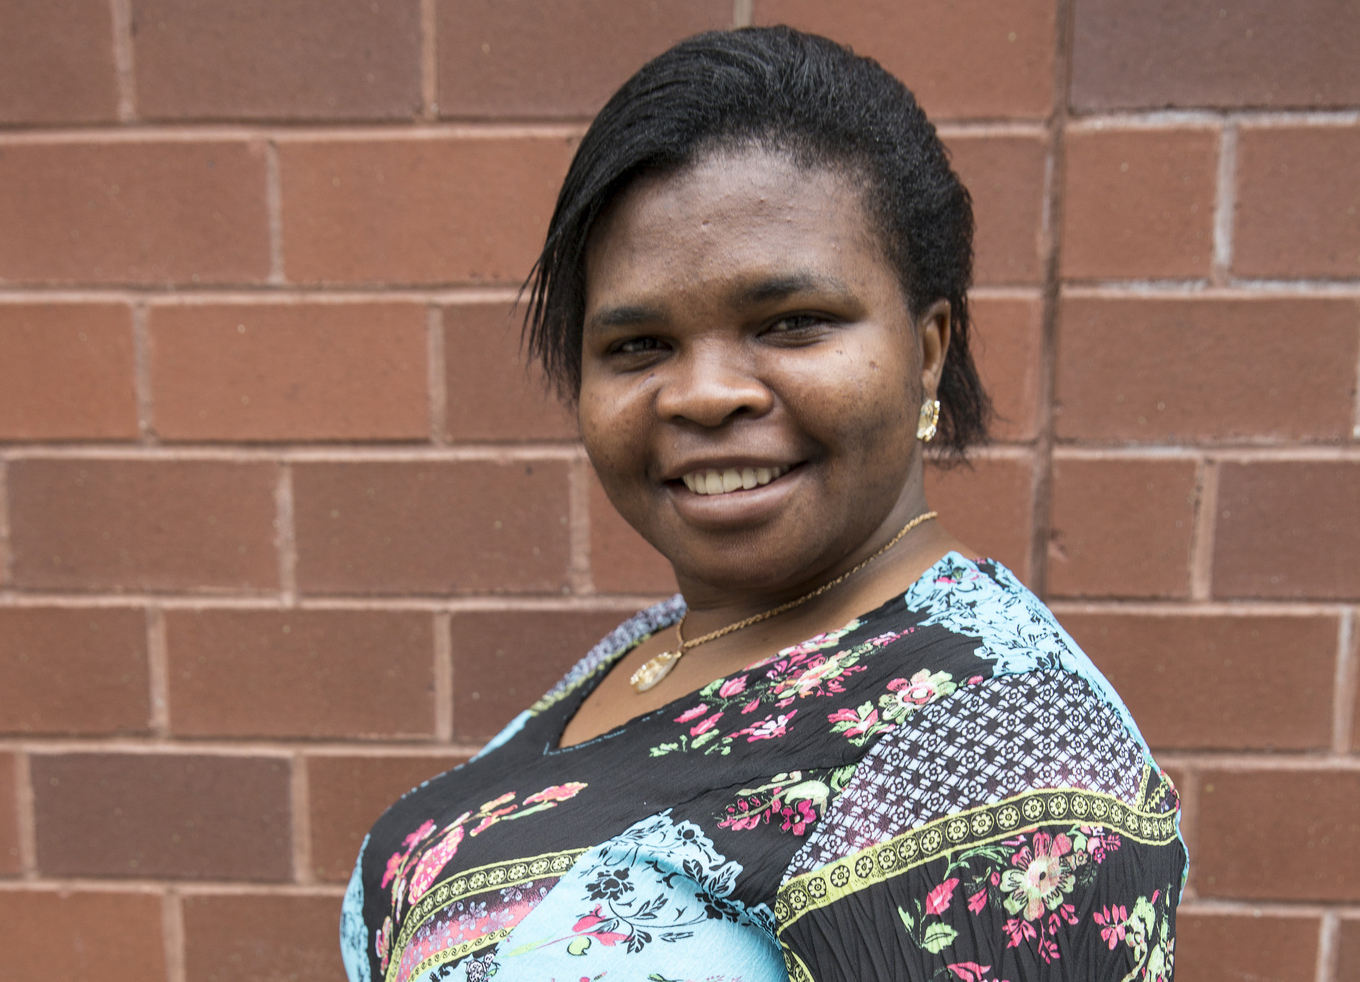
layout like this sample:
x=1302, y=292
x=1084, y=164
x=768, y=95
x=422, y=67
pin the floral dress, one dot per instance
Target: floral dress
x=944, y=789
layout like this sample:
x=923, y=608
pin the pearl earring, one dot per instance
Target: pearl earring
x=930, y=418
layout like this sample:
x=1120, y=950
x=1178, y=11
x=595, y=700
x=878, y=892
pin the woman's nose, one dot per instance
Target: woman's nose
x=710, y=387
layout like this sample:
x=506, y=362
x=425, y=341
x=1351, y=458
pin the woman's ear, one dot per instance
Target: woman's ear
x=932, y=332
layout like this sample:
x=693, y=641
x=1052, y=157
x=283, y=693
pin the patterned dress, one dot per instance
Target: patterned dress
x=944, y=789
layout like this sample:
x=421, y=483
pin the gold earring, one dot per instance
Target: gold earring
x=930, y=418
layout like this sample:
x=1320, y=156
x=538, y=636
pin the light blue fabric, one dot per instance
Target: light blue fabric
x=353, y=934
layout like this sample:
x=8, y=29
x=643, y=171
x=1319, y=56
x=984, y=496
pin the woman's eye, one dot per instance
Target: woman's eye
x=636, y=346
x=798, y=325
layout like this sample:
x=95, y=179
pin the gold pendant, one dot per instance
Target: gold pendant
x=655, y=670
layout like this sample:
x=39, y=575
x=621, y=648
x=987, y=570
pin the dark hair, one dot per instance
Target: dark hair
x=795, y=93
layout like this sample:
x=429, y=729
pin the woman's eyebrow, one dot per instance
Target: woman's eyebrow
x=625, y=315
x=778, y=287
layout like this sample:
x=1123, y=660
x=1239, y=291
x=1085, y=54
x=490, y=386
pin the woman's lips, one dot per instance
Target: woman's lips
x=731, y=479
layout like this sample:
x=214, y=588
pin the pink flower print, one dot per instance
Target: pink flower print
x=558, y=792
x=798, y=817
x=425, y=829
x=750, y=707
x=814, y=678
x=398, y=859
x=733, y=687
x=382, y=944
x=937, y=901
x=975, y=680
x=978, y=900
x=694, y=713
x=770, y=728
x=970, y=971
x=858, y=724
x=586, y=925
x=432, y=862
x=1113, y=921
x=920, y=690
x=741, y=816
x=1018, y=930
x=1041, y=878
x=703, y=726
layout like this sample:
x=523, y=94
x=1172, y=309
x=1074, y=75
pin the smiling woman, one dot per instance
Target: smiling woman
x=844, y=751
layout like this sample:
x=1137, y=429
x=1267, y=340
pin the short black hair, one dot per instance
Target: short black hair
x=795, y=93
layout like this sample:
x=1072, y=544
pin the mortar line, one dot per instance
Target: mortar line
x=1267, y=908
x=141, y=378
x=443, y=676
x=273, y=196
x=579, y=574
x=547, y=128
x=285, y=535
x=1225, y=204
x=300, y=801
x=429, y=60
x=1202, y=534
x=184, y=888
x=280, y=751
x=25, y=817
x=6, y=553
x=1344, y=690
x=1329, y=947
x=158, y=671
x=121, y=13
x=594, y=603
x=188, y=295
x=172, y=926
x=741, y=13
x=1355, y=428
x=438, y=379
x=1189, y=792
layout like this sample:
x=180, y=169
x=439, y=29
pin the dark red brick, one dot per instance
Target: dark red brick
x=504, y=661
x=1007, y=345
x=168, y=816
x=1121, y=528
x=1229, y=947
x=432, y=528
x=1298, y=202
x=81, y=936
x=144, y=212
x=989, y=506
x=621, y=561
x=1279, y=835
x=301, y=673
x=66, y=372
x=72, y=670
x=1162, y=666
x=434, y=210
x=1166, y=370
x=1348, y=957
x=56, y=62
x=262, y=937
x=1005, y=176
x=138, y=524
x=1139, y=203
x=1147, y=54
x=256, y=59
x=491, y=395
x=1288, y=529
x=529, y=58
x=347, y=794
x=11, y=862
x=1007, y=47
x=353, y=371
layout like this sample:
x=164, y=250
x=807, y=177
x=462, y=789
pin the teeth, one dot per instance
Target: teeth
x=732, y=479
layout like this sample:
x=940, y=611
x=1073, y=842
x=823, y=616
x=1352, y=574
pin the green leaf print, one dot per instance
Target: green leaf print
x=938, y=937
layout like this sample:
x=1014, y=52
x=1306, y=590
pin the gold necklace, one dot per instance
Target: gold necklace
x=659, y=667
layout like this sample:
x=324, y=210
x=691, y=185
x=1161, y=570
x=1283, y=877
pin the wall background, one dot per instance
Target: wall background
x=284, y=528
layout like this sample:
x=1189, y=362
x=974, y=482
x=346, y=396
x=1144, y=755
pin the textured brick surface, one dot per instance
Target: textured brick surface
x=1165, y=370
x=531, y=58
x=1139, y=203
x=431, y=527
x=1288, y=529
x=503, y=662
x=1156, y=53
x=261, y=937
x=1121, y=528
x=123, y=524
x=346, y=794
x=56, y=62
x=66, y=372
x=73, y=670
x=438, y=210
x=1348, y=957
x=489, y=393
x=252, y=59
x=301, y=673
x=177, y=816
x=1005, y=176
x=1007, y=347
x=988, y=506
x=1006, y=44
x=1288, y=835
x=621, y=561
x=1162, y=665
x=10, y=860
x=94, y=936
x=1221, y=947
x=290, y=372
x=168, y=212
x=1298, y=202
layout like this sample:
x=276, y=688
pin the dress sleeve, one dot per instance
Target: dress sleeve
x=1015, y=831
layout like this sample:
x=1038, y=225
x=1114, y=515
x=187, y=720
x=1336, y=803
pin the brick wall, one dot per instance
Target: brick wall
x=285, y=527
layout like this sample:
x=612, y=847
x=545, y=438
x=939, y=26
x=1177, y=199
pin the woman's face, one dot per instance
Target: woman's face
x=743, y=327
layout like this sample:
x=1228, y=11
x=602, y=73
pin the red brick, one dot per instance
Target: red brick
x=290, y=372
x=1348, y=960
x=262, y=937
x=1165, y=370
x=1204, y=681
x=168, y=816
x=435, y=210
x=530, y=58
x=1149, y=54
x=301, y=673
x=146, y=212
x=1288, y=529
x=1139, y=203
x=347, y=794
x=1121, y=528
x=491, y=395
x=621, y=561
x=66, y=372
x=257, y=59
x=1280, y=835
x=433, y=528
x=56, y=62
x=140, y=524
x=989, y=506
x=1006, y=345
x=1005, y=176
x=1298, y=202
x=503, y=662
x=1221, y=947
x=10, y=860
x=101, y=936
x=69, y=670
x=1007, y=47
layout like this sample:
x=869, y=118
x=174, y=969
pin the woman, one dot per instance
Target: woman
x=844, y=751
